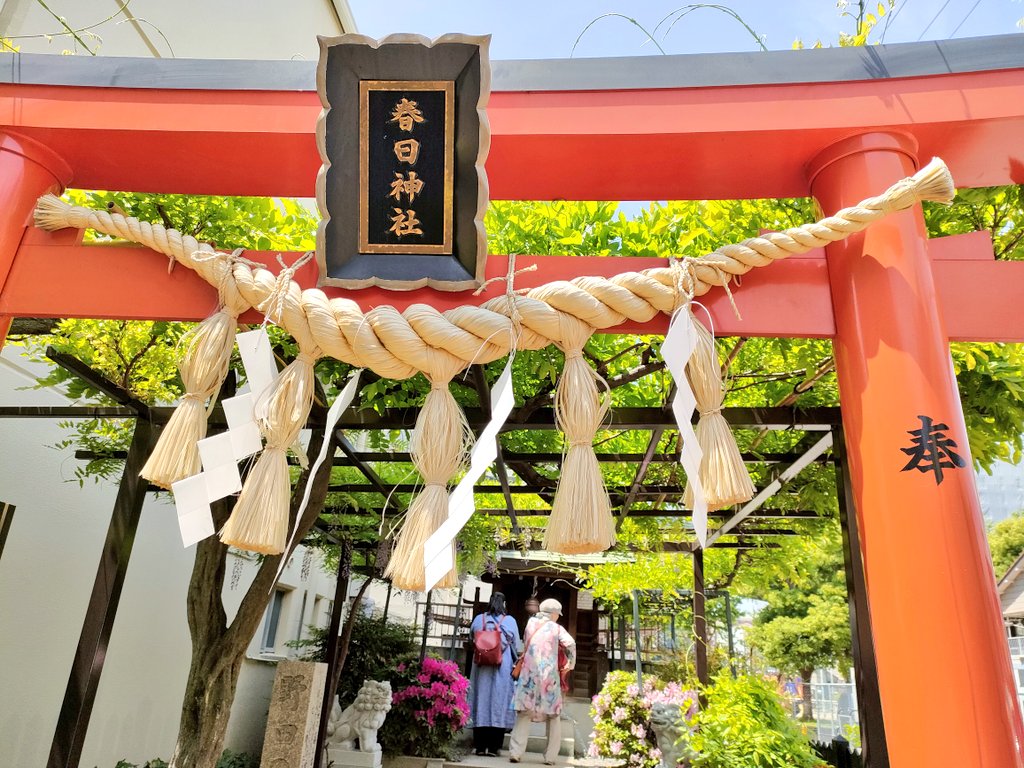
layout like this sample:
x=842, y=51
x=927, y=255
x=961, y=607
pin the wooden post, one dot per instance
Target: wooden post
x=84, y=680
x=728, y=632
x=6, y=518
x=426, y=625
x=333, y=641
x=622, y=641
x=638, y=660
x=611, y=639
x=922, y=539
x=700, y=622
x=869, y=703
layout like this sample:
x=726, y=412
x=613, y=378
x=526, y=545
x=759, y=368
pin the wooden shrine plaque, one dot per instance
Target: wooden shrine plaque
x=403, y=138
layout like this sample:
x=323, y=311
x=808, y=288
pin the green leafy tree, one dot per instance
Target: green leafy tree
x=1006, y=542
x=806, y=625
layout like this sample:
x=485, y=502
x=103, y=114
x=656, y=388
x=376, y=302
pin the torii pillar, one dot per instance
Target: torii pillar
x=28, y=170
x=944, y=675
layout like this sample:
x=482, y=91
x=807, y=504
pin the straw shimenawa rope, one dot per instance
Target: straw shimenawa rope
x=399, y=344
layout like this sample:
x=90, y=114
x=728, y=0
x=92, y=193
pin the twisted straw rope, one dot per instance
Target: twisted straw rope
x=397, y=345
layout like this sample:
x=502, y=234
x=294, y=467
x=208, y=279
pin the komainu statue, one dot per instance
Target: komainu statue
x=361, y=719
x=671, y=731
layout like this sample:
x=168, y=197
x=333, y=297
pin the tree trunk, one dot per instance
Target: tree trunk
x=218, y=648
x=204, y=713
x=808, y=712
x=346, y=635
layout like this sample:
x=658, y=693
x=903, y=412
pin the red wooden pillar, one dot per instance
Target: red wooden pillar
x=947, y=691
x=27, y=170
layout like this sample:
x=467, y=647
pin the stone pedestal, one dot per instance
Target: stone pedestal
x=352, y=758
x=290, y=740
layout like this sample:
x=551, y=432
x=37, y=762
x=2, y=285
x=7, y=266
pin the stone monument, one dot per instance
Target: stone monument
x=359, y=722
x=294, y=718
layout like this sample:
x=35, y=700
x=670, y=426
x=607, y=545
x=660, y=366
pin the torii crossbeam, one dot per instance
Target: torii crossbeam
x=836, y=124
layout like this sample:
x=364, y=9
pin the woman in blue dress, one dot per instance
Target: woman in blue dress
x=491, y=687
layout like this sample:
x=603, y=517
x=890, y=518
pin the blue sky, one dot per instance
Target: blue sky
x=531, y=29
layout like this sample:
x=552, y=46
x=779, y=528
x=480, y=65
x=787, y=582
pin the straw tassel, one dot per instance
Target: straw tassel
x=581, y=516
x=203, y=366
x=723, y=475
x=438, y=447
x=259, y=521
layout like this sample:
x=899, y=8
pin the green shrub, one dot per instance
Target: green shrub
x=377, y=647
x=228, y=759
x=622, y=717
x=745, y=726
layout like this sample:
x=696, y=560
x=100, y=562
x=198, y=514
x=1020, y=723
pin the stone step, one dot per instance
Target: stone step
x=538, y=740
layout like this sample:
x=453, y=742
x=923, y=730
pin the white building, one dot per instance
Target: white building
x=183, y=29
x=47, y=568
x=49, y=559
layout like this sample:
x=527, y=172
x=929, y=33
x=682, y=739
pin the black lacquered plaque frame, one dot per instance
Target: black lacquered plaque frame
x=342, y=192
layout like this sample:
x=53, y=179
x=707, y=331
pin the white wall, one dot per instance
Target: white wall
x=47, y=570
x=200, y=29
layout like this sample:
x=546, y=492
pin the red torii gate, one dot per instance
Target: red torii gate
x=840, y=125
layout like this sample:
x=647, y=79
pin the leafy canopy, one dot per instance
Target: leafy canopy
x=1006, y=542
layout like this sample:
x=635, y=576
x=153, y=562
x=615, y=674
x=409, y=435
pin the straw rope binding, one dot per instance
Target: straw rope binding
x=399, y=344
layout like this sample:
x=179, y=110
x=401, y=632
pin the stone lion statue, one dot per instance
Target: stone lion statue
x=667, y=724
x=361, y=719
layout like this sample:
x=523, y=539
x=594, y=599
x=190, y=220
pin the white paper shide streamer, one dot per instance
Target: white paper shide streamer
x=678, y=347
x=221, y=453
x=439, y=549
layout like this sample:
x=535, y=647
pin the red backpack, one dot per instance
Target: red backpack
x=487, y=651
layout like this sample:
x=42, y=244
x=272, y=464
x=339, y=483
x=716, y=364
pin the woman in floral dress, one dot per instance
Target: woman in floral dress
x=538, y=695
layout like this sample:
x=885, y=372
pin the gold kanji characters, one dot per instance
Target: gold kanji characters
x=402, y=185
x=405, y=223
x=407, y=151
x=406, y=113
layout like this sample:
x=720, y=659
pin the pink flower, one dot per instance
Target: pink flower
x=655, y=754
x=615, y=747
x=635, y=759
x=633, y=690
x=618, y=715
x=638, y=730
x=592, y=750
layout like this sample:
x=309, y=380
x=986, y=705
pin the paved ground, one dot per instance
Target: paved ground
x=531, y=758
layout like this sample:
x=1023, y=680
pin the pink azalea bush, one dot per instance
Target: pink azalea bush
x=622, y=713
x=429, y=708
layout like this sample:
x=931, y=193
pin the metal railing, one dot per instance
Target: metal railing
x=835, y=711
x=447, y=626
x=1016, y=645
